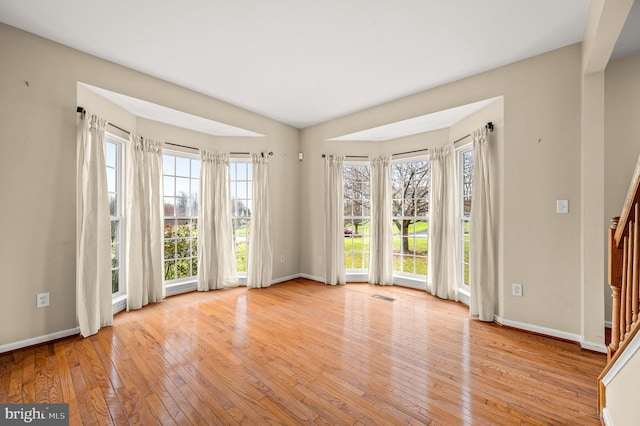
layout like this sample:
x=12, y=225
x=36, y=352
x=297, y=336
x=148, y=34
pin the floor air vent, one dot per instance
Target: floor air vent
x=381, y=297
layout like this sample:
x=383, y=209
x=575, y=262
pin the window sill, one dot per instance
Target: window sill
x=414, y=281
x=463, y=295
x=119, y=303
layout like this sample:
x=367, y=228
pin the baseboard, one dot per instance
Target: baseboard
x=607, y=324
x=39, y=339
x=311, y=277
x=538, y=329
x=606, y=417
x=283, y=279
x=594, y=347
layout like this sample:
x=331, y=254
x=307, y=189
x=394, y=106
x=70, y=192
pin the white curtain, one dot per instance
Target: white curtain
x=334, y=220
x=260, y=259
x=482, y=249
x=381, y=229
x=442, y=281
x=144, y=218
x=93, y=243
x=216, y=260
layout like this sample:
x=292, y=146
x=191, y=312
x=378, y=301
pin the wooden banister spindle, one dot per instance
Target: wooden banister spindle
x=635, y=271
x=627, y=295
x=615, y=282
x=623, y=289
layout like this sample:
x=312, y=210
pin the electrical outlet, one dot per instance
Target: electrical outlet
x=282, y=259
x=319, y=259
x=516, y=289
x=42, y=300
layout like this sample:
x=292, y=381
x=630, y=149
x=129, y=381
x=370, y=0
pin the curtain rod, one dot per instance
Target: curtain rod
x=488, y=126
x=350, y=156
x=83, y=111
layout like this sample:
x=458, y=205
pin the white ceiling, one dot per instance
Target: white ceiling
x=302, y=61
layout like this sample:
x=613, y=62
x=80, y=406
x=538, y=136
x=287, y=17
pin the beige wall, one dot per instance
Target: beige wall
x=539, y=164
x=622, y=137
x=38, y=174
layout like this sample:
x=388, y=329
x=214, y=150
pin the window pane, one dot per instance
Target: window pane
x=168, y=165
x=110, y=154
x=115, y=280
x=195, y=169
x=411, y=181
x=114, y=232
x=183, y=268
x=181, y=177
x=183, y=167
x=183, y=228
x=182, y=187
x=241, y=190
x=465, y=182
x=169, y=270
x=115, y=255
x=183, y=248
x=169, y=188
x=241, y=263
x=113, y=204
x=182, y=203
x=169, y=249
x=194, y=266
x=241, y=171
x=111, y=179
x=195, y=187
x=169, y=206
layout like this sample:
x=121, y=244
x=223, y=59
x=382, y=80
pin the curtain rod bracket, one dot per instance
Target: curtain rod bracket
x=489, y=126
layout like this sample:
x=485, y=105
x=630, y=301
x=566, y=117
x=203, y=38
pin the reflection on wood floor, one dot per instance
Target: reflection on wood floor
x=304, y=353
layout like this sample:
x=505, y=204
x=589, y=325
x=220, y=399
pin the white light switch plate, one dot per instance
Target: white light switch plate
x=562, y=206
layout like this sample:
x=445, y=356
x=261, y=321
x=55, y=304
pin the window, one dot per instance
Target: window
x=465, y=182
x=114, y=169
x=181, y=183
x=240, y=177
x=411, y=182
x=357, y=217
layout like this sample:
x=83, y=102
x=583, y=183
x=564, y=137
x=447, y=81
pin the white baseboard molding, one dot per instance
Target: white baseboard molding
x=283, y=279
x=39, y=339
x=607, y=324
x=606, y=417
x=312, y=277
x=538, y=329
x=595, y=347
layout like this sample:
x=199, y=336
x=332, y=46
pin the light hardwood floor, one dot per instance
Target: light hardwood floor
x=304, y=353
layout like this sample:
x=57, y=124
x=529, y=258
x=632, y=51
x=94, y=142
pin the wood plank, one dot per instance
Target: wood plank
x=305, y=353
